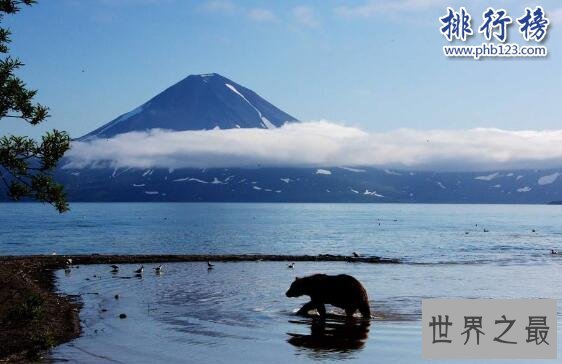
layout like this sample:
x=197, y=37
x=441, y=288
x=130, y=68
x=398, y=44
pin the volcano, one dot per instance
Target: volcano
x=198, y=102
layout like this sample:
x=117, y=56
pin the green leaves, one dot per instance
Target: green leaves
x=26, y=165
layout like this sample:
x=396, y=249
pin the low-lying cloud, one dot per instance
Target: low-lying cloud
x=323, y=143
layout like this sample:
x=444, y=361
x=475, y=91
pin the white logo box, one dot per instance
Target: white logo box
x=534, y=330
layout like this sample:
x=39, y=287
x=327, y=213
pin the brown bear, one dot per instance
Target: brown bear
x=341, y=291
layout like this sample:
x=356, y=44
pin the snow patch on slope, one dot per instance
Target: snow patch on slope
x=388, y=171
x=266, y=123
x=546, y=180
x=323, y=171
x=372, y=193
x=189, y=179
x=356, y=170
x=488, y=177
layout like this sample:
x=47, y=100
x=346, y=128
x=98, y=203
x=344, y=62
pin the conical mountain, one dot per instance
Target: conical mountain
x=198, y=102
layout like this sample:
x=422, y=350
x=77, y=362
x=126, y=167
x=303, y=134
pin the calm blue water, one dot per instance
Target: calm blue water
x=414, y=233
x=237, y=313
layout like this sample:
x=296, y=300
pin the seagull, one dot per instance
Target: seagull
x=355, y=255
x=554, y=251
x=139, y=271
x=158, y=269
x=114, y=268
x=68, y=261
x=210, y=265
x=291, y=266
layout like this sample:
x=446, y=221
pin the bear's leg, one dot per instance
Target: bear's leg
x=365, y=310
x=321, y=308
x=305, y=308
x=349, y=311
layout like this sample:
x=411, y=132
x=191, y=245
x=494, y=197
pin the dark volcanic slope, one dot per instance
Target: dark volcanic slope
x=311, y=185
x=198, y=102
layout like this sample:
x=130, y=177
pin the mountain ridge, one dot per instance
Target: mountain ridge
x=198, y=102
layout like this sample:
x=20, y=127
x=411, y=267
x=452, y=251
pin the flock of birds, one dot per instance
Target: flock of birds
x=160, y=268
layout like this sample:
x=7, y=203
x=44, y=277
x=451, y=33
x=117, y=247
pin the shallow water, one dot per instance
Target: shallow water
x=238, y=312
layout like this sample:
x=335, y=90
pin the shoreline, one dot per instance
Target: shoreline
x=34, y=317
x=58, y=261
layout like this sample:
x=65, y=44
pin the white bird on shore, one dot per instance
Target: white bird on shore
x=291, y=266
x=158, y=269
x=114, y=268
x=68, y=262
x=210, y=266
x=140, y=270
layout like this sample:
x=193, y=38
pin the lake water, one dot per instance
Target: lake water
x=238, y=313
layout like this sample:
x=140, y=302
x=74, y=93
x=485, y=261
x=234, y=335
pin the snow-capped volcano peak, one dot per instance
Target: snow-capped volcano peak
x=198, y=102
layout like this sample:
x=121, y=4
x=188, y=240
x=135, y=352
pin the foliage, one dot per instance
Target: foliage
x=26, y=165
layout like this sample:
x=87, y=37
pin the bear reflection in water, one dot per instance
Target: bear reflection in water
x=331, y=337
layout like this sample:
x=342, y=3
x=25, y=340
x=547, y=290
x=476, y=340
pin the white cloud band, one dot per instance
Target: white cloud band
x=322, y=143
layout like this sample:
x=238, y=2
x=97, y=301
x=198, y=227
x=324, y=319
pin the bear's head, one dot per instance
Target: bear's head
x=297, y=288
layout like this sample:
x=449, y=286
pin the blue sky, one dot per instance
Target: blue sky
x=373, y=64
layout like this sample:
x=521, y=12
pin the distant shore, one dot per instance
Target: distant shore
x=34, y=317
